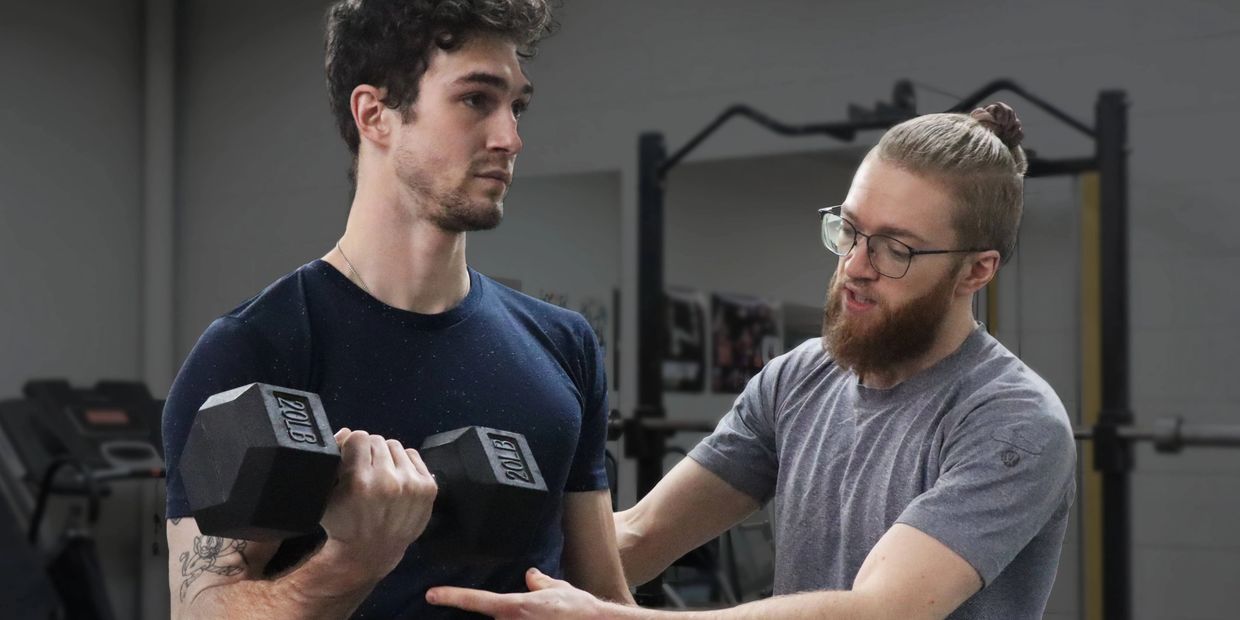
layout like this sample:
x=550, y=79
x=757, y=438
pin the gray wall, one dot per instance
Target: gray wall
x=70, y=190
x=260, y=189
x=260, y=171
x=71, y=179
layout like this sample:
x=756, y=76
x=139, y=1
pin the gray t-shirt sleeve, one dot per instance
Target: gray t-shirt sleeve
x=1009, y=466
x=742, y=450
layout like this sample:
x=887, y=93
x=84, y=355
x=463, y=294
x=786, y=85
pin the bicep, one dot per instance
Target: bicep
x=590, y=559
x=1001, y=486
x=693, y=502
x=916, y=576
x=197, y=561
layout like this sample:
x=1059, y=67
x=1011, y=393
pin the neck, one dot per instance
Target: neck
x=400, y=258
x=957, y=327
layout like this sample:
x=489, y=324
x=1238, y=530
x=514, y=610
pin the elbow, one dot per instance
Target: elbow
x=913, y=606
x=629, y=537
x=185, y=610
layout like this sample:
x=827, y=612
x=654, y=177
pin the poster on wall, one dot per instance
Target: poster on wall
x=746, y=335
x=598, y=314
x=684, y=351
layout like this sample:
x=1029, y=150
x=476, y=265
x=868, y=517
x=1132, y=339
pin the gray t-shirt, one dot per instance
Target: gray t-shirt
x=976, y=451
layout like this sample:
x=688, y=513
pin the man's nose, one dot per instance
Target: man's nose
x=857, y=264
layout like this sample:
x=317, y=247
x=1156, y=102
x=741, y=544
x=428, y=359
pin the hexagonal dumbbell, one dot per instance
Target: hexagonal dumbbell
x=261, y=461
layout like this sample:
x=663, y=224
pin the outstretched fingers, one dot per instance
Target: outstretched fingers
x=478, y=601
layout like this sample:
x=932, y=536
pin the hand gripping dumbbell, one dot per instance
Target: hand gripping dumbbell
x=261, y=461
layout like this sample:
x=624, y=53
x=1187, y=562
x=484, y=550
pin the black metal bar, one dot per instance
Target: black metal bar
x=1210, y=435
x=651, y=327
x=843, y=131
x=846, y=131
x=652, y=153
x=1114, y=456
x=1173, y=433
x=971, y=101
x=1058, y=167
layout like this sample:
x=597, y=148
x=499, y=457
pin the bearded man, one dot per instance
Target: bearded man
x=916, y=467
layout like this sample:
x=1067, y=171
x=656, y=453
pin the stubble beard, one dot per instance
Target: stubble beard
x=869, y=344
x=454, y=212
x=451, y=210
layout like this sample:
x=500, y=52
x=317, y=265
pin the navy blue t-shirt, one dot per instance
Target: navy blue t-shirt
x=499, y=359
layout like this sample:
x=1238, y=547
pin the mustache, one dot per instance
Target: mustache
x=484, y=165
x=838, y=286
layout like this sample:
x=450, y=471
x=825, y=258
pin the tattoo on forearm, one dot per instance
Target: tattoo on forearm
x=212, y=554
x=175, y=520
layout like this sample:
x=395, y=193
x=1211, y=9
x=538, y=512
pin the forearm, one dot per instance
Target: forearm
x=604, y=578
x=321, y=587
x=603, y=587
x=589, y=559
x=807, y=605
x=688, y=508
x=641, y=561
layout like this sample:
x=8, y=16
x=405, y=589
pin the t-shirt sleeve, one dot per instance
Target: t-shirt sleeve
x=588, y=471
x=1008, y=468
x=225, y=357
x=742, y=449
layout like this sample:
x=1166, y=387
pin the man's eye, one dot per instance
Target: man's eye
x=519, y=108
x=896, y=250
x=477, y=101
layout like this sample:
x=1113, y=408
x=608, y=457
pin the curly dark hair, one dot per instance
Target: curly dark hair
x=387, y=44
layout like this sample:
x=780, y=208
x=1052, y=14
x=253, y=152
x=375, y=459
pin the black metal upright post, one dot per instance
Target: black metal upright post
x=1113, y=455
x=646, y=446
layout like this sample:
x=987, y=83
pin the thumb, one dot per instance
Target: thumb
x=536, y=580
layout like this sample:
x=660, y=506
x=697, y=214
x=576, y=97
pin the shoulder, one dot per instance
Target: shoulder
x=272, y=324
x=550, y=319
x=807, y=371
x=809, y=354
x=805, y=361
x=1009, y=400
x=279, y=300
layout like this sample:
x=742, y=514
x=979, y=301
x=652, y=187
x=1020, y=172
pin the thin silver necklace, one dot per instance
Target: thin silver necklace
x=353, y=270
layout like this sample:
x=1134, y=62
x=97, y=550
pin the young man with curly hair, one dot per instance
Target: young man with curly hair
x=402, y=340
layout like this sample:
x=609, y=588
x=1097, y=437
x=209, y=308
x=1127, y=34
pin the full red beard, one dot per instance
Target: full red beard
x=868, y=344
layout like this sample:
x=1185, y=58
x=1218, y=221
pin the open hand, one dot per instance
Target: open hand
x=547, y=598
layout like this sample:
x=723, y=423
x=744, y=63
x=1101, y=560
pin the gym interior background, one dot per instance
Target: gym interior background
x=162, y=160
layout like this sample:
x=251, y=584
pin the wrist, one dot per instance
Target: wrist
x=335, y=570
x=618, y=611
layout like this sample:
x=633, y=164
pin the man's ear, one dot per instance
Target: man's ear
x=978, y=270
x=368, y=109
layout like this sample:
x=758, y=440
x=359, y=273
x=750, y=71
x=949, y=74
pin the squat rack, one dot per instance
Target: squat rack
x=1113, y=432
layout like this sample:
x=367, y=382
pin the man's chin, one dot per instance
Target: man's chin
x=472, y=219
x=487, y=221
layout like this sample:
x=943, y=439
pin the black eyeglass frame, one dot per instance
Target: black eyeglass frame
x=837, y=211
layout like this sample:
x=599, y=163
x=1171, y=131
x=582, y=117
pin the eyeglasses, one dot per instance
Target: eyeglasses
x=889, y=256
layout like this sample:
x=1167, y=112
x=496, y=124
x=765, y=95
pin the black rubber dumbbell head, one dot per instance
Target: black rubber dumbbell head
x=491, y=494
x=260, y=463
